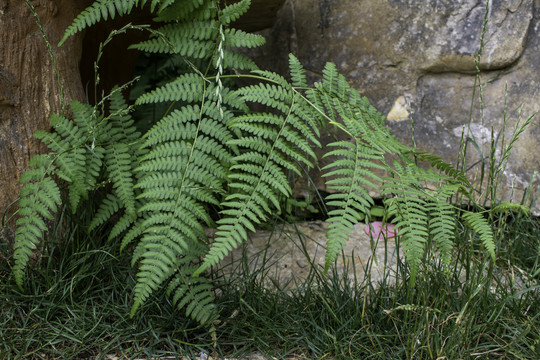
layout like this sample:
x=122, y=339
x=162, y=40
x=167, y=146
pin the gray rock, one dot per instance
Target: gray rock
x=415, y=59
x=288, y=252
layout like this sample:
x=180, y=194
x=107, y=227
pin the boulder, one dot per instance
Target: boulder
x=415, y=61
x=286, y=254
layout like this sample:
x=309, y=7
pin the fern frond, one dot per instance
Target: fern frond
x=188, y=10
x=270, y=144
x=108, y=206
x=411, y=219
x=235, y=60
x=181, y=45
x=103, y=9
x=447, y=169
x=510, y=207
x=39, y=199
x=356, y=163
x=480, y=225
x=442, y=222
x=118, y=160
x=351, y=176
x=183, y=170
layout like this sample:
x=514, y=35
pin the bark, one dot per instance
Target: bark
x=29, y=90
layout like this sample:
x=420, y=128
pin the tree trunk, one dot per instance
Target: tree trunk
x=29, y=87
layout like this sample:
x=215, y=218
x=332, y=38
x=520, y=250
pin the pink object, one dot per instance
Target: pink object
x=376, y=228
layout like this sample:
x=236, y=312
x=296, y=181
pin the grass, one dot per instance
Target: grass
x=77, y=302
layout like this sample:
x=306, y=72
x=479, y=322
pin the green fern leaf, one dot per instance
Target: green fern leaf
x=298, y=74
x=233, y=12
x=100, y=9
x=350, y=176
x=480, y=225
x=193, y=293
x=234, y=60
x=183, y=170
x=118, y=160
x=38, y=200
x=109, y=206
x=442, y=222
x=188, y=10
x=508, y=206
x=239, y=38
x=412, y=221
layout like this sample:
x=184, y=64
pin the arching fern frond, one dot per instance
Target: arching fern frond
x=193, y=293
x=77, y=162
x=351, y=175
x=271, y=144
x=121, y=152
x=103, y=9
x=184, y=169
x=412, y=221
x=39, y=199
x=356, y=163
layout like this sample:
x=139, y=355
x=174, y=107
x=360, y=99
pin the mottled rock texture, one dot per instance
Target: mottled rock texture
x=415, y=60
x=287, y=253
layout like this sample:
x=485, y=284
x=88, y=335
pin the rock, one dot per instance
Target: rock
x=416, y=60
x=288, y=251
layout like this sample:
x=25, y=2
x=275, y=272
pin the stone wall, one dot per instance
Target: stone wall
x=415, y=60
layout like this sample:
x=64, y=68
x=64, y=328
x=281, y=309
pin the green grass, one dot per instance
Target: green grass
x=76, y=305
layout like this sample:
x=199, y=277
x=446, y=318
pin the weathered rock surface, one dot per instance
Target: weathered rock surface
x=415, y=59
x=288, y=252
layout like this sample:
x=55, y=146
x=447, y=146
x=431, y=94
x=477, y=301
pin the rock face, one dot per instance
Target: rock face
x=416, y=60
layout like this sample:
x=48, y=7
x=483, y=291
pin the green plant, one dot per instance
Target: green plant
x=210, y=150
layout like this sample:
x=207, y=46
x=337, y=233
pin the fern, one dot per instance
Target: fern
x=103, y=9
x=120, y=158
x=408, y=208
x=480, y=225
x=186, y=167
x=39, y=199
x=442, y=221
x=81, y=150
x=353, y=171
x=209, y=150
x=194, y=293
x=270, y=144
x=73, y=159
x=234, y=11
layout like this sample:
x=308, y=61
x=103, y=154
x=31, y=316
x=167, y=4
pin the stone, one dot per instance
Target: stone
x=415, y=60
x=288, y=251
